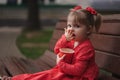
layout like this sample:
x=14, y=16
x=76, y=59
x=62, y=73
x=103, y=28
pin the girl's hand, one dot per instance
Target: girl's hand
x=59, y=58
x=68, y=34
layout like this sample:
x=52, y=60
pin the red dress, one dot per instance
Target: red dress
x=78, y=66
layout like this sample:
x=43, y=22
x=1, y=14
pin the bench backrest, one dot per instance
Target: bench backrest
x=106, y=43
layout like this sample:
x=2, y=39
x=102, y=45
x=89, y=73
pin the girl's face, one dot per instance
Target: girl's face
x=79, y=30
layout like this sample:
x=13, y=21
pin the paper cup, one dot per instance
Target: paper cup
x=65, y=51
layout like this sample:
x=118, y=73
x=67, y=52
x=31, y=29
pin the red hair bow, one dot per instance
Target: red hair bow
x=76, y=8
x=91, y=10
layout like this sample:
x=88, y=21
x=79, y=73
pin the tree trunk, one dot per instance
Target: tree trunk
x=33, y=22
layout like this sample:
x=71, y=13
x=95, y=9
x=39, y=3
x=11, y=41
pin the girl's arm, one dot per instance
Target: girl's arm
x=80, y=65
x=61, y=43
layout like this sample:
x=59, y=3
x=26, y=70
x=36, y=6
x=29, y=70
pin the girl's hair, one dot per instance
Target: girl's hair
x=85, y=17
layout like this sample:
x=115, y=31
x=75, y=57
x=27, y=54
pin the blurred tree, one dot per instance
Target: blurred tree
x=11, y=2
x=52, y=1
x=24, y=1
x=33, y=22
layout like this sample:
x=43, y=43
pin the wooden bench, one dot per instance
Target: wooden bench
x=106, y=44
x=11, y=66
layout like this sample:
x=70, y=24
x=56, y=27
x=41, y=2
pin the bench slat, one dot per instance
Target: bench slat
x=3, y=70
x=11, y=67
x=105, y=77
x=57, y=34
x=52, y=44
x=106, y=27
x=48, y=58
x=43, y=66
x=50, y=54
x=108, y=62
x=61, y=25
x=25, y=64
x=110, y=28
x=50, y=62
x=106, y=43
x=15, y=65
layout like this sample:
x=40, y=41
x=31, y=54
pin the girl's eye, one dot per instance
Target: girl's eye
x=68, y=26
x=77, y=26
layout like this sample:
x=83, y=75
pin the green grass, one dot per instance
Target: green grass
x=33, y=44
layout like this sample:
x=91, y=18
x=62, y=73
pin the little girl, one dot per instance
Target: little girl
x=81, y=64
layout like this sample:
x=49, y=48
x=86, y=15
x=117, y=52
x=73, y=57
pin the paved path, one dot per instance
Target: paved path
x=8, y=42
